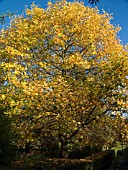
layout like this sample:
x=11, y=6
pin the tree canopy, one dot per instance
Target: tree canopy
x=63, y=73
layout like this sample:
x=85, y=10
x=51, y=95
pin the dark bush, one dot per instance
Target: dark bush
x=78, y=153
x=6, y=139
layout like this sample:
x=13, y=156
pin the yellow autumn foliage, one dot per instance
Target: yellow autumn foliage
x=64, y=68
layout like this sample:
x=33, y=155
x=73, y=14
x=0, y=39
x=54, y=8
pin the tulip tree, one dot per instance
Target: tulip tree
x=64, y=70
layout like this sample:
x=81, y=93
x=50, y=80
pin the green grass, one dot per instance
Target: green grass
x=118, y=147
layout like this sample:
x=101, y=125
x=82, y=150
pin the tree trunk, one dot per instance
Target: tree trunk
x=63, y=151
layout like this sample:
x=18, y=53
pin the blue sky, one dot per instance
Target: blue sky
x=119, y=8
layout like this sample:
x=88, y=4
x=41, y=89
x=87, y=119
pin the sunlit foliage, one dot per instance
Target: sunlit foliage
x=63, y=73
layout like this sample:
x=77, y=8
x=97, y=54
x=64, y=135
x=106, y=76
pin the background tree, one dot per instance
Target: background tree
x=93, y=1
x=4, y=16
x=64, y=70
